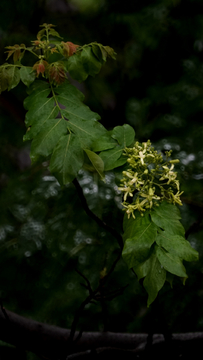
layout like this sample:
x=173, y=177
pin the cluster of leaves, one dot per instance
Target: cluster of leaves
x=57, y=120
x=155, y=247
x=87, y=60
x=62, y=128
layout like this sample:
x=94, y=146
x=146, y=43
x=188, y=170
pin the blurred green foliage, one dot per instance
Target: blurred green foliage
x=156, y=85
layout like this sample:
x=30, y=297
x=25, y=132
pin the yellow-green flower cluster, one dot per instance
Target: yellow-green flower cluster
x=149, y=179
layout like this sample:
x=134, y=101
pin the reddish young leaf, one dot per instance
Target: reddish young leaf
x=57, y=73
x=40, y=67
x=15, y=50
x=68, y=48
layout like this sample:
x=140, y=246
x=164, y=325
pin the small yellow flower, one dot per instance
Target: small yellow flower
x=145, y=176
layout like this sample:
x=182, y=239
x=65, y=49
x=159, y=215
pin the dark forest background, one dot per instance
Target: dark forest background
x=156, y=86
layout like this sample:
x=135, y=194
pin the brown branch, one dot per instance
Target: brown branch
x=51, y=341
x=100, y=222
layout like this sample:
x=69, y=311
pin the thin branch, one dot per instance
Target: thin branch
x=4, y=310
x=77, y=317
x=100, y=222
x=91, y=297
x=88, y=286
x=115, y=293
x=105, y=278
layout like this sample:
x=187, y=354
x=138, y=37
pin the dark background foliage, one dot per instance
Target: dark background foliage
x=156, y=85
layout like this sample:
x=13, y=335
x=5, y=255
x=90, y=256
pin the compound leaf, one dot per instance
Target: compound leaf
x=51, y=113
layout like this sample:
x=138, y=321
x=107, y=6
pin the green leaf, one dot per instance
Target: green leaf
x=142, y=269
x=40, y=109
x=110, y=157
x=4, y=78
x=71, y=92
x=177, y=245
x=27, y=75
x=99, y=52
x=47, y=138
x=76, y=68
x=102, y=52
x=104, y=142
x=38, y=93
x=51, y=113
x=14, y=77
x=86, y=130
x=171, y=262
x=96, y=162
x=125, y=135
x=121, y=161
x=90, y=62
x=36, y=85
x=143, y=234
x=111, y=53
x=41, y=33
x=155, y=278
x=67, y=159
x=130, y=225
x=167, y=216
x=75, y=109
x=53, y=32
x=45, y=112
